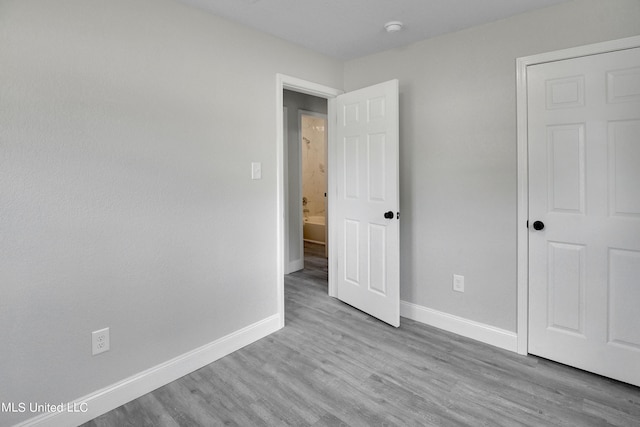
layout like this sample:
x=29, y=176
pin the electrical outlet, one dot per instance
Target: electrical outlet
x=100, y=341
x=458, y=283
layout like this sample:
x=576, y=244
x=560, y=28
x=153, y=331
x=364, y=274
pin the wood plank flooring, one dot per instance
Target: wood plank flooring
x=333, y=365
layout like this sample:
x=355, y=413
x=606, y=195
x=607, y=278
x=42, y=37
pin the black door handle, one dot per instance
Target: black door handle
x=388, y=215
x=538, y=225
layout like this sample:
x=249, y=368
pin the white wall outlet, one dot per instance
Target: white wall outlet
x=256, y=170
x=458, y=283
x=100, y=341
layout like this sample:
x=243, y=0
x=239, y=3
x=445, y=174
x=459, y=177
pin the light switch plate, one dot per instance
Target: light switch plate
x=256, y=170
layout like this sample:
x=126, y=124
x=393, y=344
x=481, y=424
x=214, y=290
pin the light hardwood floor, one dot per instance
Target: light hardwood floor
x=333, y=365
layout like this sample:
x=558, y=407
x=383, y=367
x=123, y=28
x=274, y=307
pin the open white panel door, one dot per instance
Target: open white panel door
x=367, y=201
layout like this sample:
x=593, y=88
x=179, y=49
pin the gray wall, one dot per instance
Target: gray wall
x=128, y=130
x=458, y=149
x=295, y=101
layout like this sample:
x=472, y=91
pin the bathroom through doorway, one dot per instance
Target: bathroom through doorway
x=313, y=150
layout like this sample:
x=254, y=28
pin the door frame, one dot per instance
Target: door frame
x=303, y=86
x=523, y=166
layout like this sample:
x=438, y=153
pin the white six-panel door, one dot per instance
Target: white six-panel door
x=367, y=188
x=584, y=186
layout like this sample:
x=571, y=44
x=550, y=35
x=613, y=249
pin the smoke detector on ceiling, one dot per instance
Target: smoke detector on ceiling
x=393, y=26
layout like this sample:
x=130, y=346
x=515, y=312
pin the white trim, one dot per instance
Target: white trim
x=118, y=394
x=487, y=334
x=331, y=248
x=304, y=86
x=298, y=85
x=522, y=215
x=285, y=194
x=523, y=161
x=296, y=265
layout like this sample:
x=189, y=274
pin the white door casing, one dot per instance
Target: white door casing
x=584, y=185
x=310, y=88
x=367, y=243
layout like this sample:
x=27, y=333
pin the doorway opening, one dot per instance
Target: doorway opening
x=362, y=196
x=307, y=97
x=305, y=175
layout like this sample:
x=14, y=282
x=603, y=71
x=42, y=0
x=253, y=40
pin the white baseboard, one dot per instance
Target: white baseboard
x=295, y=266
x=458, y=325
x=118, y=394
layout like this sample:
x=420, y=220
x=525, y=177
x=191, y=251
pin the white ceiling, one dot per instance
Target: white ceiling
x=347, y=29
